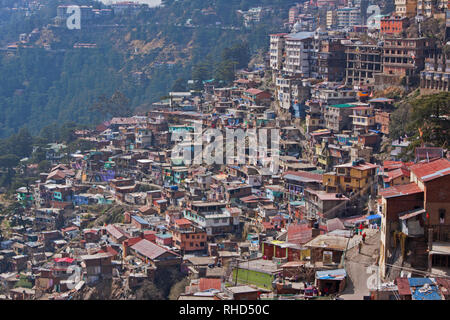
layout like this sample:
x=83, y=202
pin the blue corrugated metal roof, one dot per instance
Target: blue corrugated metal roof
x=337, y=274
x=414, y=282
x=140, y=220
x=424, y=289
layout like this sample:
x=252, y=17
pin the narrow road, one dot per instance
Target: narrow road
x=356, y=265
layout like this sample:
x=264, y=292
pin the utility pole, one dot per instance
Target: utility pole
x=237, y=270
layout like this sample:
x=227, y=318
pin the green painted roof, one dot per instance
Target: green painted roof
x=346, y=105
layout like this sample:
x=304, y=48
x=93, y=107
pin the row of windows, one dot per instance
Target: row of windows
x=195, y=236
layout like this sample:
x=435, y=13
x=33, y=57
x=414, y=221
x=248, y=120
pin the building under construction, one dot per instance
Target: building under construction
x=363, y=62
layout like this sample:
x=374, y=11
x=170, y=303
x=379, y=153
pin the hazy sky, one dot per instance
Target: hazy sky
x=151, y=3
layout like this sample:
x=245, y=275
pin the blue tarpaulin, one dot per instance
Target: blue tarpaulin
x=424, y=289
x=337, y=274
x=373, y=216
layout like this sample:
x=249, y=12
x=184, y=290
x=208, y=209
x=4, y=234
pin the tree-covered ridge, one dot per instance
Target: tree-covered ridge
x=39, y=87
x=424, y=120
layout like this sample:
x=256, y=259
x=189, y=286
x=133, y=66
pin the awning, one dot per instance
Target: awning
x=373, y=216
x=411, y=214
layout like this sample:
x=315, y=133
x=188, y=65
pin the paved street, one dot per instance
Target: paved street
x=356, y=265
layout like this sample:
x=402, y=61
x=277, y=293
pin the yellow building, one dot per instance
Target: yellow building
x=323, y=155
x=350, y=177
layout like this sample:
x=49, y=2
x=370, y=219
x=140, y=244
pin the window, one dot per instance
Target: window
x=441, y=216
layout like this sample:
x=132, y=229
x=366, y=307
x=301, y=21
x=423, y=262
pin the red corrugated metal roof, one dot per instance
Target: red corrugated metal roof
x=254, y=91
x=57, y=174
x=396, y=173
x=401, y=190
x=110, y=250
x=299, y=233
x=68, y=260
x=389, y=165
x=207, y=283
x=150, y=249
x=69, y=229
x=182, y=222
x=403, y=286
x=431, y=170
x=114, y=231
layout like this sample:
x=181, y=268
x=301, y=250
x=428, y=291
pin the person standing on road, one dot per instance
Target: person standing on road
x=359, y=246
x=364, y=237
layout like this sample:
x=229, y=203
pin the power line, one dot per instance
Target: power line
x=404, y=268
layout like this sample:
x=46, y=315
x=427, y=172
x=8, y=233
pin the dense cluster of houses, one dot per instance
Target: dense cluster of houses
x=236, y=230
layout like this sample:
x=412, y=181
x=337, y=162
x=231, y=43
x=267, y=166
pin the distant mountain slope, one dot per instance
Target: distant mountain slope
x=141, y=56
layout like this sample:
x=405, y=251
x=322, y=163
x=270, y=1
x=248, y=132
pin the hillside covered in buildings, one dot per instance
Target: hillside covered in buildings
x=335, y=184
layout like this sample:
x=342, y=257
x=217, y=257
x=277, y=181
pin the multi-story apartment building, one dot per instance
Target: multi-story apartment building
x=187, y=238
x=363, y=62
x=324, y=205
x=415, y=218
x=425, y=8
x=332, y=94
x=213, y=217
x=429, y=8
x=298, y=48
x=436, y=76
x=297, y=54
x=337, y=117
x=314, y=116
x=391, y=25
x=353, y=177
x=277, y=51
x=331, y=60
x=293, y=15
x=253, y=16
x=406, y=8
x=332, y=20
x=348, y=17
x=291, y=90
x=382, y=120
x=363, y=118
x=405, y=56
